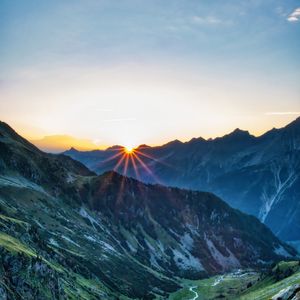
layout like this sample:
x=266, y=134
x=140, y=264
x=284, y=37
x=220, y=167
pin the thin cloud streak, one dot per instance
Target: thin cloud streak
x=209, y=20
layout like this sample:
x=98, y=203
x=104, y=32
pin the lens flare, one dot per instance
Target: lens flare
x=128, y=149
x=132, y=161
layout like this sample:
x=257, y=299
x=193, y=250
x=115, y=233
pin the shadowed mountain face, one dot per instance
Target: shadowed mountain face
x=66, y=232
x=258, y=175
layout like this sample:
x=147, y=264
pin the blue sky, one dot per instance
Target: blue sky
x=191, y=67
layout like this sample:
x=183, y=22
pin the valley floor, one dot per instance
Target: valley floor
x=242, y=285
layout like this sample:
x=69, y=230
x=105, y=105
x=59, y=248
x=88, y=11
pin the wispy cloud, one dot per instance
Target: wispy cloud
x=282, y=113
x=294, y=16
x=209, y=20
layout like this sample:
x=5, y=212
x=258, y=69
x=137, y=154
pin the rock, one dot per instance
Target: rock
x=290, y=293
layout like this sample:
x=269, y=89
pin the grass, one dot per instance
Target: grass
x=237, y=286
x=13, y=220
x=268, y=286
x=15, y=246
x=225, y=286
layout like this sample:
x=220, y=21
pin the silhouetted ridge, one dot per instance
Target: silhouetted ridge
x=258, y=175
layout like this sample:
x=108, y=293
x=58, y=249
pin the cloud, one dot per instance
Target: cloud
x=294, y=16
x=210, y=20
x=282, y=113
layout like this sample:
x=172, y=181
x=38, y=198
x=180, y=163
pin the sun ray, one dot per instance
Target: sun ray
x=135, y=168
x=152, y=158
x=126, y=164
x=145, y=167
x=120, y=162
x=109, y=159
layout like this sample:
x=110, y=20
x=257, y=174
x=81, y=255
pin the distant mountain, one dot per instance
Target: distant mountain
x=67, y=233
x=59, y=143
x=258, y=175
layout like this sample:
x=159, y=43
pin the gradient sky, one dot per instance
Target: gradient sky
x=131, y=71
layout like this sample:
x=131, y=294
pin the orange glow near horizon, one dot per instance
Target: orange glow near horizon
x=134, y=136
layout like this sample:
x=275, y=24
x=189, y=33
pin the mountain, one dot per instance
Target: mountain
x=59, y=143
x=279, y=282
x=258, y=175
x=68, y=233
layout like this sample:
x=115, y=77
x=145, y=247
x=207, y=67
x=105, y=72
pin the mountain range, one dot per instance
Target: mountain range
x=68, y=233
x=257, y=175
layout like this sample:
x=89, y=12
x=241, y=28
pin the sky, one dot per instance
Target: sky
x=130, y=72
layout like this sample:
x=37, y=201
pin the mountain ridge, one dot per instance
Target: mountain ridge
x=226, y=166
x=126, y=238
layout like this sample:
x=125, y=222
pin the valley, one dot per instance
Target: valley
x=257, y=175
x=149, y=150
x=67, y=233
x=246, y=285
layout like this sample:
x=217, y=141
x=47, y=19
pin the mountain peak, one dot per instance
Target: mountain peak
x=236, y=134
x=114, y=147
x=143, y=146
x=13, y=136
x=5, y=128
x=239, y=132
x=72, y=149
x=173, y=143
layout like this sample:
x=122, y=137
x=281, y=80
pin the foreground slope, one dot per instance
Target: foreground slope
x=278, y=282
x=66, y=232
x=258, y=175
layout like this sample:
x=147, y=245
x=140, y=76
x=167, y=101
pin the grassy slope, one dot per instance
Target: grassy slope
x=85, y=256
x=40, y=266
x=243, y=286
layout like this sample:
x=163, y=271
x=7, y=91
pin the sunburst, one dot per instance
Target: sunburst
x=129, y=157
x=128, y=149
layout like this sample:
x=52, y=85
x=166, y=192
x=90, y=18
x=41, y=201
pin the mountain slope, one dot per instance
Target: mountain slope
x=258, y=175
x=67, y=232
x=278, y=282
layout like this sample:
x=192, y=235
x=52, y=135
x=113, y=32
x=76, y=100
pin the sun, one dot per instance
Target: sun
x=128, y=149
